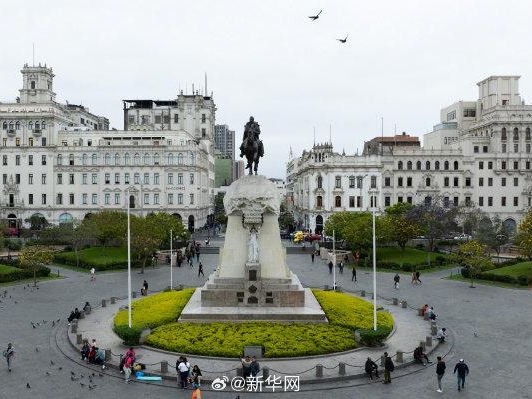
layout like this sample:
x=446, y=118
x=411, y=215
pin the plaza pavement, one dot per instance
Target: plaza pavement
x=499, y=354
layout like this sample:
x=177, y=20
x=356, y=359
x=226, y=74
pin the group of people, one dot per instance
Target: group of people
x=76, y=314
x=250, y=367
x=90, y=353
x=188, y=376
x=128, y=364
x=428, y=312
x=460, y=369
x=372, y=370
x=415, y=278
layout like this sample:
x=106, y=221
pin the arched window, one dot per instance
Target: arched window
x=30, y=126
x=4, y=125
x=338, y=201
x=446, y=165
x=427, y=165
x=65, y=218
x=37, y=125
x=455, y=165
x=320, y=183
x=409, y=165
x=17, y=125
x=400, y=165
x=60, y=159
x=117, y=159
x=418, y=165
x=180, y=159
x=427, y=182
x=319, y=201
x=136, y=159
x=71, y=159
x=437, y=165
x=146, y=159
x=503, y=133
x=107, y=159
x=32, y=85
x=126, y=158
x=527, y=133
x=170, y=159
x=84, y=159
x=43, y=125
x=516, y=134
x=156, y=159
x=94, y=159
x=11, y=126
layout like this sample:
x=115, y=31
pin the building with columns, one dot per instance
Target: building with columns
x=62, y=162
x=478, y=154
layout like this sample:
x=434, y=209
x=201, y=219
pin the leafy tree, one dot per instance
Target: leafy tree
x=286, y=219
x=108, y=226
x=165, y=222
x=146, y=237
x=474, y=257
x=493, y=233
x=469, y=218
x=397, y=227
x=433, y=219
x=219, y=209
x=35, y=256
x=524, y=236
x=37, y=222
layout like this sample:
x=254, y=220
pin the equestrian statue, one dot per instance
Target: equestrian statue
x=251, y=145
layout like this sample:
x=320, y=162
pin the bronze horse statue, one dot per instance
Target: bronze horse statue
x=251, y=145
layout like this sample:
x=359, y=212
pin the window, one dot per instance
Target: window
x=203, y=118
x=337, y=201
x=400, y=165
x=117, y=178
x=503, y=147
x=400, y=199
x=126, y=178
x=170, y=159
x=4, y=178
x=337, y=182
x=527, y=148
x=455, y=201
x=373, y=182
x=156, y=159
x=71, y=199
x=117, y=159
x=136, y=178
x=136, y=159
x=180, y=159
x=427, y=165
x=43, y=141
x=17, y=160
x=17, y=141
x=32, y=85
x=418, y=165
x=180, y=199
x=4, y=160
x=484, y=149
x=475, y=149
x=84, y=199
x=84, y=178
x=516, y=201
x=94, y=178
x=170, y=178
x=84, y=159
x=503, y=165
x=147, y=159
x=373, y=201
x=71, y=159
x=455, y=181
x=490, y=165
x=503, y=182
x=117, y=199
x=516, y=165
x=126, y=158
x=527, y=133
x=490, y=181
x=17, y=178
x=503, y=133
x=351, y=181
x=387, y=201
x=43, y=178
x=43, y=199
x=351, y=201
x=480, y=201
x=191, y=178
x=427, y=182
x=451, y=115
x=516, y=147
x=481, y=181
x=409, y=165
x=191, y=199
x=503, y=201
x=409, y=200
x=170, y=199
x=30, y=178
x=468, y=182
x=527, y=165
x=107, y=178
x=94, y=159
x=516, y=134
x=387, y=182
x=30, y=141
x=30, y=199
x=176, y=118
x=400, y=182
x=455, y=165
x=516, y=182
x=469, y=112
x=481, y=165
x=319, y=201
x=437, y=165
x=107, y=199
x=180, y=178
x=192, y=158
x=446, y=182
x=360, y=180
x=156, y=199
x=446, y=165
x=94, y=199
x=490, y=201
x=409, y=182
x=146, y=178
x=71, y=178
x=60, y=159
x=467, y=201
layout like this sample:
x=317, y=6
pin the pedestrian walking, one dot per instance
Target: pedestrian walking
x=312, y=257
x=354, y=274
x=463, y=371
x=389, y=367
x=128, y=365
x=93, y=274
x=396, y=279
x=9, y=354
x=346, y=259
x=200, y=270
x=414, y=278
x=440, y=371
x=330, y=266
x=417, y=278
x=341, y=267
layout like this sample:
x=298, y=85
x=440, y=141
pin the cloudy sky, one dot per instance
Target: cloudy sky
x=403, y=60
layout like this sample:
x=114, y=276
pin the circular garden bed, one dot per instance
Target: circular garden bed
x=346, y=314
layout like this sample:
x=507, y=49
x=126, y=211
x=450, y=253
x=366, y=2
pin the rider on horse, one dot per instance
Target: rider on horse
x=251, y=132
x=251, y=145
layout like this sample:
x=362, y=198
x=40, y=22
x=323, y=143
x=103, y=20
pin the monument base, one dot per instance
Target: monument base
x=195, y=312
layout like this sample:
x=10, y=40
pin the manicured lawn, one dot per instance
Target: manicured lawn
x=4, y=269
x=410, y=255
x=100, y=258
x=519, y=269
x=459, y=277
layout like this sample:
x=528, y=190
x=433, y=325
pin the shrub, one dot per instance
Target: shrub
x=129, y=335
x=407, y=267
x=370, y=337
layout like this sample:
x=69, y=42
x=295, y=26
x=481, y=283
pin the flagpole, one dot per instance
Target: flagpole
x=128, y=265
x=171, y=252
x=334, y=261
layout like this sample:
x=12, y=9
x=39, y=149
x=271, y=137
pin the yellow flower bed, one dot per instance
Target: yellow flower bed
x=351, y=312
x=155, y=310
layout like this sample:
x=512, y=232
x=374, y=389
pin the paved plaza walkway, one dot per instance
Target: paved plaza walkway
x=490, y=329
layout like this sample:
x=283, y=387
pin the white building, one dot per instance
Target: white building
x=61, y=162
x=478, y=154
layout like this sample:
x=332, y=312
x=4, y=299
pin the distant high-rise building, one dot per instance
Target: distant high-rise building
x=238, y=170
x=224, y=141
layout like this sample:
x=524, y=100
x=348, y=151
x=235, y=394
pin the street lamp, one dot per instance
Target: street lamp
x=374, y=273
x=171, y=253
x=128, y=260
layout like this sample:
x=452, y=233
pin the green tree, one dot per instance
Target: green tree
x=35, y=256
x=433, y=219
x=524, y=236
x=108, y=226
x=219, y=209
x=286, y=219
x=146, y=237
x=165, y=222
x=354, y=227
x=37, y=222
x=397, y=227
x=473, y=257
x=493, y=233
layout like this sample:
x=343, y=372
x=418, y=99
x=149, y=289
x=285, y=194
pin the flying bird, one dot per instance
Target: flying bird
x=315, y=17
x=343, y=40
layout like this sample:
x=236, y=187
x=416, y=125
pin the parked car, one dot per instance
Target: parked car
x=463, y=237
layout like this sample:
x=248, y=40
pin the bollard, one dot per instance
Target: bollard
x=82, y=314
x=79, y=339
x=341, y=368
x=404, y=304
x=113, y=300
x=104, y=303
x=265, y=373
x=74, y=328
x=420, y=312
x=134, y=294
x=107, y=354
x=319, y=370
x=372, y=295
x=164, y=366
x=423, y=345
x=363, y=293
x=399, y=357
x=433, y=328
x=428, y=340
x=395, y=301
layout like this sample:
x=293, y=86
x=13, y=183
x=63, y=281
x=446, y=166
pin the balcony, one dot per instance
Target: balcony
x=11, y=132
x=37, y=132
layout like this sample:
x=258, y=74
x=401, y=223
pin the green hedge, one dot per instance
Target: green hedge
x=370, y=337
x=109, y=259
x=519, y=280
x=16, y=274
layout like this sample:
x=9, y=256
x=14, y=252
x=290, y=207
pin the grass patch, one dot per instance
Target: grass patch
x=30, y=280
x=4, y=269
x=519, y=269
x=160, y=312
x=98, y=257
x=458, y=277
x=410, y=255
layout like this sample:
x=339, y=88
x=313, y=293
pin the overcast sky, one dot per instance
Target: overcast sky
x=403, y=60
